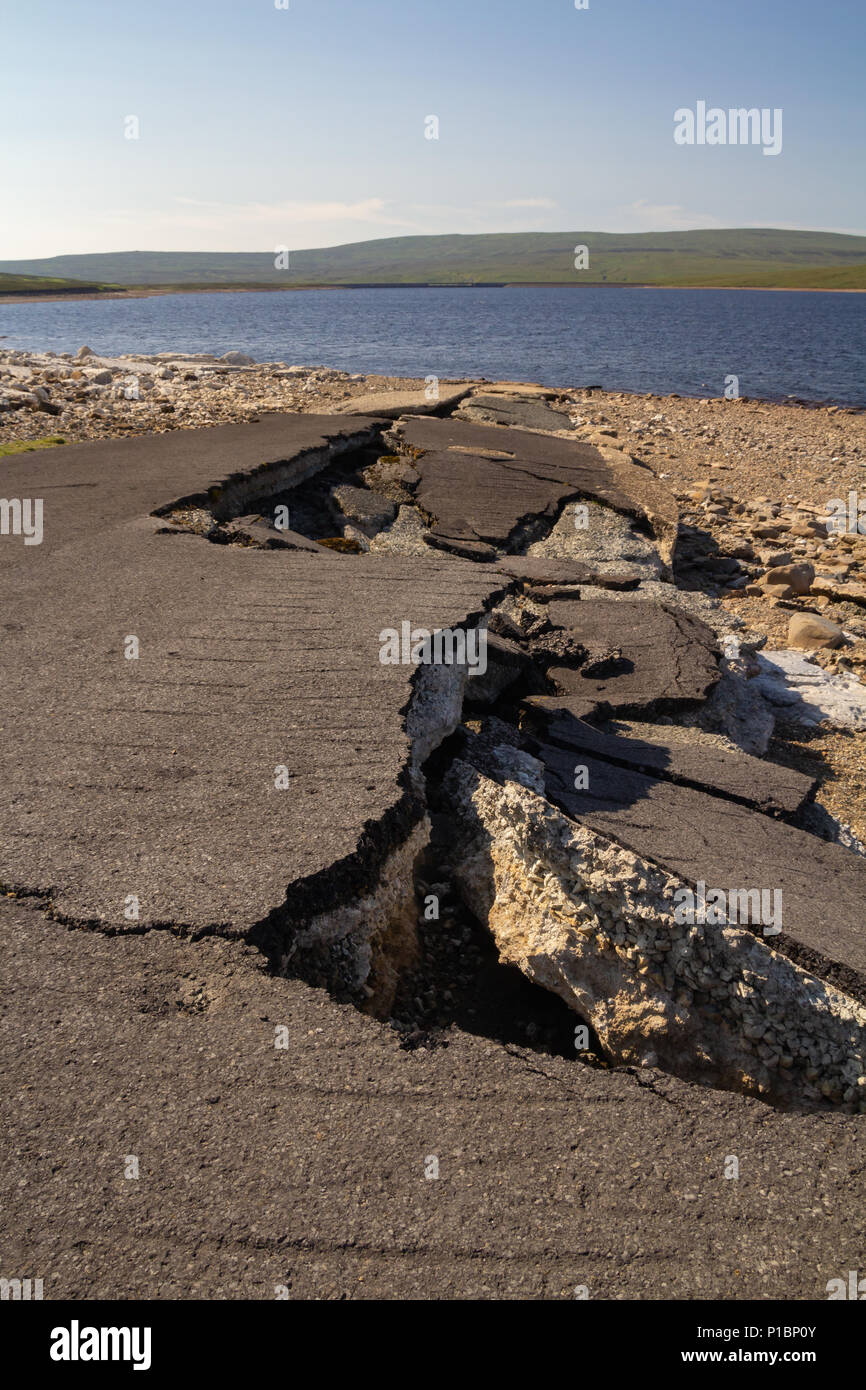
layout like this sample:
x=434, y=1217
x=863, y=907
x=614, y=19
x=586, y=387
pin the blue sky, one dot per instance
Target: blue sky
x=305, y=126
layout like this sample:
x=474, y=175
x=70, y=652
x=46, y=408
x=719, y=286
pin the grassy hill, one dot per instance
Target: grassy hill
x=749, y=256
x=25, y=284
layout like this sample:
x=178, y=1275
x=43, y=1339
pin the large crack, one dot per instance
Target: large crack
x=477, y=862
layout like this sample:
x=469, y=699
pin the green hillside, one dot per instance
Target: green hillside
x=25, y=284
x=737, y=257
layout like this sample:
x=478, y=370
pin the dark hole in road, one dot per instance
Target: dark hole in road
x=459, y=980
x=312, y=509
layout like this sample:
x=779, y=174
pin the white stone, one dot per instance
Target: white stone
x=809, y=695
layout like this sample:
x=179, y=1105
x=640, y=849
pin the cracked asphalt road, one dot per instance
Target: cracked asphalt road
x=181, y=1124
x=303, y=1165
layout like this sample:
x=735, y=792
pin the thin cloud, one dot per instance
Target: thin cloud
x=547, y=203
x=372, y=210
x=644, y=216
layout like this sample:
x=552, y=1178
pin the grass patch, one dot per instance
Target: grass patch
x=49, y=284
x=28, y=446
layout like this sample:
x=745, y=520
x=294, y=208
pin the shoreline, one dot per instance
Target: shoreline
x=276, y=386
x=41, y=361
x=161, y=291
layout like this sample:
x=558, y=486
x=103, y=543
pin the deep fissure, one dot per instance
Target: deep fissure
x=487, y=782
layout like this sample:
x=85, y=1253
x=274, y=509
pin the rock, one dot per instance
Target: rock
x=776, y=591
x=84, y=352
x=841, y=592
x=773, y=559
x=700, y=493
x=809, y=529
x=808, y=630
x=369, y=511
x=37, y=399
x=238, y=359
x=103, y=378
x=807, y=694
x=797, y=578
x=528, y=413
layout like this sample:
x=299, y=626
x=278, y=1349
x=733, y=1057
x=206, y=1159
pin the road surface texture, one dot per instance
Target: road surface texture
x=305, y=1166
x=215, y=794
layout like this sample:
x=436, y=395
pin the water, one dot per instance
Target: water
x=778, y=343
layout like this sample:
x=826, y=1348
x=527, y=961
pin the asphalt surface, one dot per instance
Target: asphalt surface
x=154, y=777
x=282, y=1139
x=304, y=1165
x=715, y=839
x=769, y=787
x=478, y=495
x=647, y=655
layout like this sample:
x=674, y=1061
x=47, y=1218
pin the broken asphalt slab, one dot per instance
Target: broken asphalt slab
x=142, y=790
x=478, y=497
x=641, y=655
x=393, y=404
x=713, y=839
x=526, y=414
x=584, y=871
x=767, y=786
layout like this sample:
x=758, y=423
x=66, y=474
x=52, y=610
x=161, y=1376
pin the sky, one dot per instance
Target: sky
x=260, y=126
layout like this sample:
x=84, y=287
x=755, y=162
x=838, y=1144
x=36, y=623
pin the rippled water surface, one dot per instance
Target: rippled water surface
x=777, y=343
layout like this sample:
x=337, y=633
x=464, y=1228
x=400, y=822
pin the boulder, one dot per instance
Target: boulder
x=809, y=631
x=238, y=359
x=797, y=578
